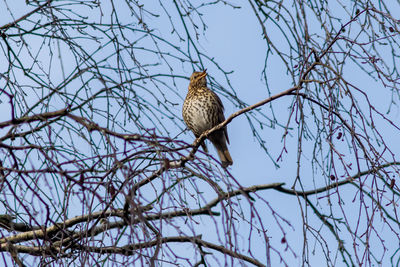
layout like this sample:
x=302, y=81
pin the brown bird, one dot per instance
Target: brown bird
x=202, y=110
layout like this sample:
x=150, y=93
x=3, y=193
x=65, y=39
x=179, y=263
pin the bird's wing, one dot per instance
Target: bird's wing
x=221, y=116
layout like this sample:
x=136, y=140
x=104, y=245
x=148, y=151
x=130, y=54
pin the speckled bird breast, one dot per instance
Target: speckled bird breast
x=201, y=112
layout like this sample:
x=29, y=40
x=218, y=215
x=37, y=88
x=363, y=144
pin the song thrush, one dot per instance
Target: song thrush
x=202, y=110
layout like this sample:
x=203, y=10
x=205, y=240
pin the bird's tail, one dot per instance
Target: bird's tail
x=225, y=157
x=219, y=141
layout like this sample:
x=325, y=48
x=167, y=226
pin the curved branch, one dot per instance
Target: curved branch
x=333, y=185
x=132, y=249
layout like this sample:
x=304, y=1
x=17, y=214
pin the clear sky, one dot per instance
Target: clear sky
x=233, y=39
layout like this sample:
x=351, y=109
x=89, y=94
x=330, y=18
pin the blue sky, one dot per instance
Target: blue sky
x=233, y=38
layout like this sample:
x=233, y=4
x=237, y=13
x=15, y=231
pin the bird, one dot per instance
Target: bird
x=201, y=111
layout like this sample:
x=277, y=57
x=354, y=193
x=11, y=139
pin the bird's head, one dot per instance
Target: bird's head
x=198, y=78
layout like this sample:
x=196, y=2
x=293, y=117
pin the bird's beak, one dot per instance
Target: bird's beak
x=204, y=73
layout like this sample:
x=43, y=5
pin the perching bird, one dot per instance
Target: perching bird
x=202, y=110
